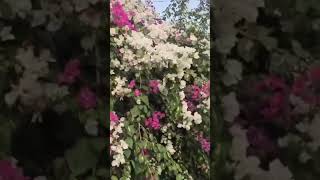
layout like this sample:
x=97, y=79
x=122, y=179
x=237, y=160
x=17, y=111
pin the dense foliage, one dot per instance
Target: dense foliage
x=266, y=94
x=160, y=96
x=53, y=114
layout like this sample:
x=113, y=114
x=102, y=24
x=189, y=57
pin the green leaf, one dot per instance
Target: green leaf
x=135, y=111
x=129, y=141
x=127, y=153
x=130, y=130
x=145, y=100
x=114, y=178
x=83, y=156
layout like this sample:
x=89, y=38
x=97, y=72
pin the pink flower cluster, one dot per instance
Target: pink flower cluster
x=205, y=89
x=274, y=104
x=131, y=85
x=306, y=86
x=205, y=143
x=120, y=17
x=8, y=171
x=154, y=86
x=195, y=93
x=154, y=121
x=114, y=117
x=71, y=72
x=86, y=98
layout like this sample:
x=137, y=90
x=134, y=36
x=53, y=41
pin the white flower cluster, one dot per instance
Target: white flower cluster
x=121, y=88
x=249, y=166
x=188, y=118
x=30, y=90
x=117, y=145
x=159, y=31
x=167, y=141
x=141, y=12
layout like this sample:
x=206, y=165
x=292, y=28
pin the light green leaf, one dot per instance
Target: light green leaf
x=145, y=100
x=83, y=156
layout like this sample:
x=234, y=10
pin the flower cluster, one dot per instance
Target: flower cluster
x=205, y=143
x=275, y=115
x=120, y=16
x=150, y=70
x=9, y=171
x=71, y=72
x=117, y=144
x=154, y=121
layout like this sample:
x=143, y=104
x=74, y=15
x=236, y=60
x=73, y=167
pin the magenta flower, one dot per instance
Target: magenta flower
x=261, y=144
x=205, y=89
x=274, y=83
x=114, y=117
x=137, y=92
x=8, y=171
x=71, y=72
x=154, y=121
x=314, y=74
x=300, y=85
x=154, y=86
x=86, y=98
x=196, y=92
x=306, y=86
x=275, y=106
x=120, y=17
x=132, y=84
x=191, y=106
x=205, y=143
x=145, y=152
x=271, y=83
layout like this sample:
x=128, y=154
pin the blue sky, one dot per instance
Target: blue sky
x=160, y=5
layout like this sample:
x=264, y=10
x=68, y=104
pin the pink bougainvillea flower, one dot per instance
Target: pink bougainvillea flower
x=158, y=115
x=148, y=122
x=275, y=106
x=300, y=85
x=261, y=144
x=120, y=16
x=86, y=98
x=205, y=89
x=314, y=74
x=155, y=124
x=114, y=117
x=145, y=152
x=8, y=171
x=274, y=83
x=137, y=92
x=205, y=143
x=154, y=121
x=271, y=83
x=196, y=93
x=306, y=86
x=71, y=72
x=191, y=106
x=132, y=84
x=154, y=86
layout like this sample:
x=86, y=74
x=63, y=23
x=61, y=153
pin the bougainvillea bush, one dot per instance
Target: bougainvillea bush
x=160, y=96
x=53, y=108
x=267, y=89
